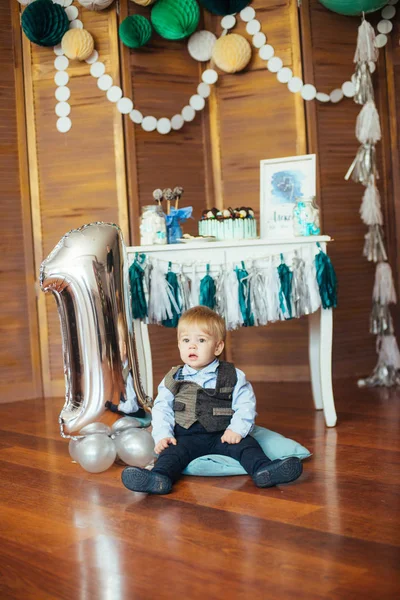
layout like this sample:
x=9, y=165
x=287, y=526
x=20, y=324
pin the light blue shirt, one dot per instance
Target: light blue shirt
x=243, y=402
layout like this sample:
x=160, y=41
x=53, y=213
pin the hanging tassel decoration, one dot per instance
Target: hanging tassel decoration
x=244, y=295
x=326, y=278
x=220, y=303
x=258, y=298
x=311, y=278
x=363, y=167
x=301, y=302
x=174, y=296
x=387, y=370
x=194, y=287
x=233, y=314
x=271, y=291
x=159, y=300
x=384, y=290
x=207, y=290
x=136, y=282
x=285, y=292
x=184, y=291
x=381, y=322
x=374, y=247
x=366, y=51
x=370, y=210
x=368, y=127
x=364, y=89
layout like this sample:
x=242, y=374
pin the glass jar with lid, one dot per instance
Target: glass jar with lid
x=306, y=217
x=153, y=227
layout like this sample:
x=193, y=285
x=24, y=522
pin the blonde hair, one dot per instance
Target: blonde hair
x=206, y=319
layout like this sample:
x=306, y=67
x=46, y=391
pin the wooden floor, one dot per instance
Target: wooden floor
x=335, y=533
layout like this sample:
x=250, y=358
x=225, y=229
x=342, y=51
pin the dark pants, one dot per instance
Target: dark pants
x=196, y=441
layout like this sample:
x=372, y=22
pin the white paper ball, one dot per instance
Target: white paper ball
x=95, y=4
x=97, y=69
x=63, y=124
x=201, y=44
x=203, y=89
x=274, y=64
x=149, y=123
x=61, y=78
x=323, y=97
x=295, y=85
x=188, y=113
x=266, y=52
x=92, y=58
x=253, y=27
x=63, y=109
x=284, y=75
x=125, y=106
x=259, y=39
x=177, y=122
x=210, y=76
x=114, y=94
x=348, y=89
x=164, y=125
x=62, y=93
x=247, y=14
x=61, y=63
x=336, y=96
x=136, y=116
x=104, y=82
x=197, y=102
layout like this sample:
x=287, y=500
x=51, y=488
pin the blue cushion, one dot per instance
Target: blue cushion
x=274, y=445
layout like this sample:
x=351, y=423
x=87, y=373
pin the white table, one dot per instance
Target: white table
x=320, y=322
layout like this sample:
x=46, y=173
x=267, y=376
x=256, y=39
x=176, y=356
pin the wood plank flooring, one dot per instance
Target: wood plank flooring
x=335, y=533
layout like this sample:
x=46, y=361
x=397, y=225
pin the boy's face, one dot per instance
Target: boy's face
x=198, y=348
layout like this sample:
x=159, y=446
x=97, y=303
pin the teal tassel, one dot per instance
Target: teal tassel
x=327, y=280
x=207, y=290
x=136, y=276
x=172, y=280
x=244, y=296
x=285, y=293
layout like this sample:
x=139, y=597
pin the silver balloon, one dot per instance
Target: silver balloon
x=88, y=274
x=72, y=448
x=95, y=428
x=95, y=453
x=135, y=447
x=123, y=424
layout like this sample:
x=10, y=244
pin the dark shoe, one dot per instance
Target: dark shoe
x=278, y=471
x=143, y=480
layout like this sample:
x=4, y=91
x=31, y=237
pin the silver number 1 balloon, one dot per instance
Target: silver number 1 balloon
x=88, y=273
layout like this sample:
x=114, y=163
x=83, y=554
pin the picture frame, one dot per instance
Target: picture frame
x=282, y=180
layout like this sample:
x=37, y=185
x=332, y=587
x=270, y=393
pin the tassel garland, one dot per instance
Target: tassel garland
x=368, y=127
x=285, y=293
x=370, y=210
x=136, y=282
x=327, y=280
x=207, y=290
x=244, y=296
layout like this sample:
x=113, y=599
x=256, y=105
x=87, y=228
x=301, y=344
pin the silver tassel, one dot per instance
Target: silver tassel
x=258, y=298
x=364, y=89
x=374, y=247
x=301, y=303
x=381, y=322
x=220, y=304
x=363, y=166
x=387, y=370
x=184, y=288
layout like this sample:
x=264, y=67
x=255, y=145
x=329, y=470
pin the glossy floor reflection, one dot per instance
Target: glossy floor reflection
x=335, y=533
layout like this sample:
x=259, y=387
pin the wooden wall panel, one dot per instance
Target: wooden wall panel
x=19, y=351
x=77, y=177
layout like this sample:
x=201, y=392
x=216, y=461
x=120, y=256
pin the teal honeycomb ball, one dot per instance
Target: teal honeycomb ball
x=175, y=19
x=44, y=23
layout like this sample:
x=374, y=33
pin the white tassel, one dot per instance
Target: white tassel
x=159, y=302
x=366, y=50
x=258, y=298
x=311, y=279
x=384, y=290
x=368, y=127
x=195, y=287
x=233, y=316
x=370, y=210
x=388, y=349
x=272, y=287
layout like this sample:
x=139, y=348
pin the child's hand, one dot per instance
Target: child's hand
x=230, y=437
x=164, y=443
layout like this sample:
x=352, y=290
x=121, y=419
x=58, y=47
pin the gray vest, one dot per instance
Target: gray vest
x=211, y=407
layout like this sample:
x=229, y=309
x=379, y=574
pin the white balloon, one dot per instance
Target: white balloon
x=135, y=447
x=95, y=453
x=124, y=423
x=201, y=44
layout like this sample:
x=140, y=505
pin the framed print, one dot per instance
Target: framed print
x=282, y=181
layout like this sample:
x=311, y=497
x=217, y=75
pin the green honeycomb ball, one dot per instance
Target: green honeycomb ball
x=135, y=31
x=175, y=19
x=44, y=23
